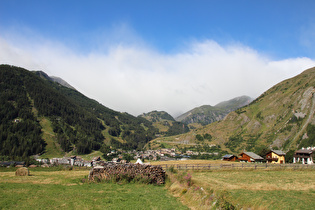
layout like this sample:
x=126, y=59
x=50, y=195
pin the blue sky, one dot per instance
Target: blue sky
x=154, y=49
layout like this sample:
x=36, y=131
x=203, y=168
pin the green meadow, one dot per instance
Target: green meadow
x=61, y=188
x=45, y=189
x=242, y=189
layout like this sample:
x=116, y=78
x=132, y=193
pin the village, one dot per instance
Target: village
x=302, y=156
x=119, y=156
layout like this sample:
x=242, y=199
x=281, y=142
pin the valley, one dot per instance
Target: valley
x=157, y=105
x=72, y=124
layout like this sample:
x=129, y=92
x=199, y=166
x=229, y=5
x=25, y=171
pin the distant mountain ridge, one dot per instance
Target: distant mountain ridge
x=54, y=79
x=156, y=116
x=165, y=123
x=282, y=118
x=208, y=114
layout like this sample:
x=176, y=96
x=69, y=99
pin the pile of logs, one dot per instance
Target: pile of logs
x=128, y=172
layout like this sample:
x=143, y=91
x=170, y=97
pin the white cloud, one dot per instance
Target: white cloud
x=139, y=79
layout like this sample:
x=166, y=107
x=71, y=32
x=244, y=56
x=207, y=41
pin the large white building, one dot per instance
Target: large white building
x=304, y=156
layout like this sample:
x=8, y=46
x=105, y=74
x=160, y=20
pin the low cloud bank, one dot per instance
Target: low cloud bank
x=137, y=79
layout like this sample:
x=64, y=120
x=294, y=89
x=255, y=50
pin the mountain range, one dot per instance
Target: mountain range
x=194, y=118
x=165, y=123
x=207, y=114
x=280, y=118
x=44, y=115
x=40, y=116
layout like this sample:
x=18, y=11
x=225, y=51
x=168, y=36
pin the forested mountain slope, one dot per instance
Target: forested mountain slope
x=165, y=123
x=78, y=123
x=54, y=79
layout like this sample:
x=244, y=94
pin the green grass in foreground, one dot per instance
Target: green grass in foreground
x=275, y=199
x=64, y=190
x=260, y=189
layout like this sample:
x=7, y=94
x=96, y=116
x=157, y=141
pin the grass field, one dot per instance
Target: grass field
x=280, y=189
x=227, y=188
x=244, y=188
x=192, y=162
x=65, y=190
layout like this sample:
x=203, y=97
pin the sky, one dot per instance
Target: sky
x=166, y=55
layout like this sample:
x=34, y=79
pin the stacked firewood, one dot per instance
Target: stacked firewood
x=128, y=172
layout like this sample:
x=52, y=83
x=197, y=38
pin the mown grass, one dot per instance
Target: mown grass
x=255, y=189
x=49, y=188
x=65, y=190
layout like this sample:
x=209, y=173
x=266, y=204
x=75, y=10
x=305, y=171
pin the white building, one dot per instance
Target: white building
x=305, y=156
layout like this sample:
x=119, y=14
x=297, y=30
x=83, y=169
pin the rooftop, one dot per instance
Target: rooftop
x=253, y=155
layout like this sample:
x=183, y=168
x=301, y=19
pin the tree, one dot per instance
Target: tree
x=289, y=156
x=127, y=157
x=105, y=149
x=262, y=150
x=199, y=137
x=207, y=136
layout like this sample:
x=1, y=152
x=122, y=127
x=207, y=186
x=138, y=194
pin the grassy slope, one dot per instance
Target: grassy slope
x=161, y=126
x=266, y=121
x=63, y=189
x=53, y=149
x=91, y=155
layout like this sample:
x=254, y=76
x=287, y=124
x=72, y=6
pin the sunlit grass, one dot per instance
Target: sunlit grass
x=279, y=189
x=91, y=155
x=52, y=149
x=65, y=190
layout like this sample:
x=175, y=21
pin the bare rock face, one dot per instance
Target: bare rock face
x=307, y=95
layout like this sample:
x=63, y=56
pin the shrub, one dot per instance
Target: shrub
x=172, y=169
x=199, y=137
x=207, y=136
x=188, y=179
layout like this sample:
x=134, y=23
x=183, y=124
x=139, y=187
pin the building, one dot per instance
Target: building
x=304, y=156
x=229, y=158
x=59, y=161
x=250, y=157
x=275, y=156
